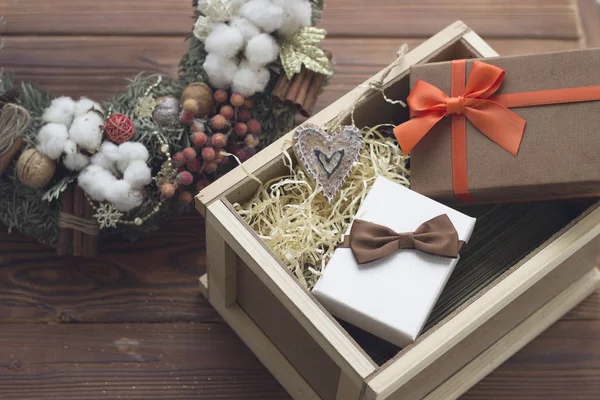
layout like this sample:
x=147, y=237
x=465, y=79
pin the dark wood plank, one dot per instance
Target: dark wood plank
x=588, y=310
x=89, y=17
x=408, y=18
x=509, y=18
x=562, y=363
x=98, y=67
x=207, y=361
x=152, y=280
x=130, y=361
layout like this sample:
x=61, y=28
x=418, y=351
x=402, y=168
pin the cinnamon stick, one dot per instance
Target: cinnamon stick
x=65, y=236
x=9, y=155
x=290, y=98
x=312, y=95
x=78, y=202
x=281, y=88
x=306, y=84
x=90, y=242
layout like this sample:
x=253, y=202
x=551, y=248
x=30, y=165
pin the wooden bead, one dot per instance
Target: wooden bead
x=35, y=169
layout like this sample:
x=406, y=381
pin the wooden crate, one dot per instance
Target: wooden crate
x=311, y=354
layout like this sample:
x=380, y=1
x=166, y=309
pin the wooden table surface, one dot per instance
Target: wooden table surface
x=132, y=324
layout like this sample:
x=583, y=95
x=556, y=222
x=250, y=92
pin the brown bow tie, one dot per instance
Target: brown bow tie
x=369, y=241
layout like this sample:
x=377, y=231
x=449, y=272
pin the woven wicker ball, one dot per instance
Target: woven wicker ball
x=35, y=169
x=202, y=94
x=119, y=128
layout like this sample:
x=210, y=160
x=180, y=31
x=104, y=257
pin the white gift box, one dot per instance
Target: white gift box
x=391, y=297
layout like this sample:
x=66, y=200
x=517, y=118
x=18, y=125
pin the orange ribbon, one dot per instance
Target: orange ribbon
x=476, y=102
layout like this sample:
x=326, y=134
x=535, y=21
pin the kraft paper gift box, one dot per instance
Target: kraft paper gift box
x=559, y=155
x=391, y=297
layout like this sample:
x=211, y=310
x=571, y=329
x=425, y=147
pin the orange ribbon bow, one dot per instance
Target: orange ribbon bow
x=476, y=102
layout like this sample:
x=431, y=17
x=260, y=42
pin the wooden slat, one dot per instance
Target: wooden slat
x=526, y=18
x=130, y=361
x=221, y=269
x=153, y=280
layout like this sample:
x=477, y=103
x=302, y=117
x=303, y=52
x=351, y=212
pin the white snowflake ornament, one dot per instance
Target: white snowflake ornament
x=107, y=216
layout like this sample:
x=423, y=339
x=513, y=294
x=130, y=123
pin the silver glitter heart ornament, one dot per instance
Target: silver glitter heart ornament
x=327, y=157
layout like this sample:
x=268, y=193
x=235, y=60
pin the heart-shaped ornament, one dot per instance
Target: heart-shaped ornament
x=327, y=158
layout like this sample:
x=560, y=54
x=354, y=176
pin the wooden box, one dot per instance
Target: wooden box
x=312, y=355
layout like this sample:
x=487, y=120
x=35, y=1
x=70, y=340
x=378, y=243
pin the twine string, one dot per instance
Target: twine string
x=14, y=120
x=70, y=221
x=370, y=87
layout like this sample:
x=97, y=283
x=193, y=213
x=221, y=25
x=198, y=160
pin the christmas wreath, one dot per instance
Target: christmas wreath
x=73, y=171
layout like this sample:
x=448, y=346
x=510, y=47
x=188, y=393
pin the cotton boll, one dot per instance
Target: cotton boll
x=70, y=147
x=60, y=111
x=246, y=28
x=130, y=151
x=220, y=71
x=86, y=130
x=95, y=182
x=101, y=160
x=51, y=140
x=296, y=14
x=84, y=105
x=245, y=81
x=74, y=160
x=262, y=50
x=224, y=40
x=138, y=174
x=123, y=196
x=249, y=79
x=110, y=151
x=263, y=13
x=133, y=151
x=263, y=76
x=107, y=157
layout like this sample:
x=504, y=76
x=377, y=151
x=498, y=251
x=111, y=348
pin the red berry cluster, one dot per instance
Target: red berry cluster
x=229, y=129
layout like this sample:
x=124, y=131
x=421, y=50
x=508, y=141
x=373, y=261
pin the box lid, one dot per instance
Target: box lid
x=560, y=151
